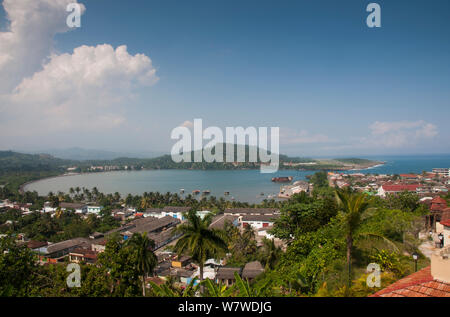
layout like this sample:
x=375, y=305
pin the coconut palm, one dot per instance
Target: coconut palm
x=145, y=203
x=270, y=253
x=146, y=259
x=198, y=240
x=353, y=206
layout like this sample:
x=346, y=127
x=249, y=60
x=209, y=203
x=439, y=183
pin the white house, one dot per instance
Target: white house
x=258, y=221
x=91, y=209
x=202, y=213
x=48, y=207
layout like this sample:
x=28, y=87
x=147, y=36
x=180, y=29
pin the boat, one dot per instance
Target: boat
x=226, y=193
x=206, y=192
x=196, y=192
x=282, y=179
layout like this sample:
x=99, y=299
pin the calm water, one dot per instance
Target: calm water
x=243, y=185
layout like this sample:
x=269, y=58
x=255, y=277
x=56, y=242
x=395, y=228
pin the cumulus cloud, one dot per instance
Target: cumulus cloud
x=400, y=133
x=86, y=89
x=28, y=41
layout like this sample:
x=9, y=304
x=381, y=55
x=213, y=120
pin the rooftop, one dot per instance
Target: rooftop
x=227, y=273
x=252, y=270
x=266, y=218
x=418, y=284
x=243, y=211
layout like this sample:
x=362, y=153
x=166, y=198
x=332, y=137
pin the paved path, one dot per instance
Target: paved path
x=428, y=247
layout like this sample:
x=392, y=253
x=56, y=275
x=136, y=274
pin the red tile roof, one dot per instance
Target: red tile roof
x=418, y=284
x=439, y=200
x=400, y=187
x=446, y=223
x=409, y=175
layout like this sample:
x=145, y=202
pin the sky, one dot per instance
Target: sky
x=137, y=69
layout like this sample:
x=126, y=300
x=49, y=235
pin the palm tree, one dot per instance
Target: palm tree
x=145, y=203
x=353, y=207
x=270, y=253
x=146, y=259
x=198, y=240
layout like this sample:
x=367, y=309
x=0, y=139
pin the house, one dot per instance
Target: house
x=258, y=221
x=153, y=212
x=442, y=171
x=36, y=245
x=446, y=231
x=77, y=207
x=83, y=255
x=396, y=188
x=252, y=270
x=437, y=208
x=409, y=177
x=218, y=222
x=225, y=275
x=184, y=276
x=48, y=207
x=163, y=238
x=93, y=209
x=99, y=246
x=182, y=261
x=250, y=211
x=432, y=281
x=175, y=212
x=56, y=252
x=160, y=230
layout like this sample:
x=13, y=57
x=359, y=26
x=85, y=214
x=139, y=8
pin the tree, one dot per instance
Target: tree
x=247, y=290
x=353, y=206
x=17, y=265
x=217, y=290
x=146, y=259
x=270, y=254
x=198, y=240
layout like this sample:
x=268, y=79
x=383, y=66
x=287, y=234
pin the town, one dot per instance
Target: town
x=159, y=225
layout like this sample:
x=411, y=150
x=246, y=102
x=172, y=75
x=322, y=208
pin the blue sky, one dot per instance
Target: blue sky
x=312, y=68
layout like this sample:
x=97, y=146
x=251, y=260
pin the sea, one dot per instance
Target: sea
x=243, y=185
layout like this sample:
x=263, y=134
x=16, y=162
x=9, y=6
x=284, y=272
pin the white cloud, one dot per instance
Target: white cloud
x=187, y=124
x=85, y=90
x=397, y=134
x=28, y=42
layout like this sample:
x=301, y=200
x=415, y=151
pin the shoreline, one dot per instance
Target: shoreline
x=22, y=187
